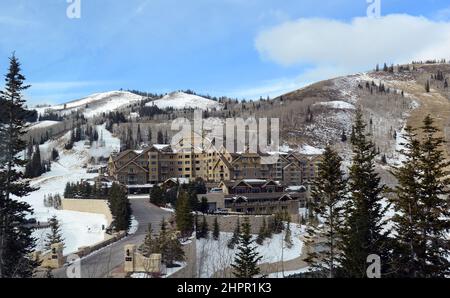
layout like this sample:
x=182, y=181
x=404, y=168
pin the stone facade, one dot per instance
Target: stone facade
x=136, y=262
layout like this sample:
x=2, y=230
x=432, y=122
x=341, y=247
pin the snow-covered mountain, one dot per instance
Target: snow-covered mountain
x=181, y=100
x=96, y=103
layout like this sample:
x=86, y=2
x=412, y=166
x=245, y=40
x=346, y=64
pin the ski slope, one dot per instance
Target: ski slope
x=95, y=104
x=78, y=229
x=181, y=100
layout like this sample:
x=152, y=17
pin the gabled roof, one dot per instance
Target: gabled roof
x=132, y=162
x=224, y=160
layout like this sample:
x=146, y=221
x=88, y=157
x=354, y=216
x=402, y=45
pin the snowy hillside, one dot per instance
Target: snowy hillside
x=181, y=100
x=78, y=229
x=96, y=104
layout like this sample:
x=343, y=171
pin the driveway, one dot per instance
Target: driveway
x=100, y=263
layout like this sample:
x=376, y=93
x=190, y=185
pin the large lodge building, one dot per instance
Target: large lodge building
x=159, y=163
x=248, y=182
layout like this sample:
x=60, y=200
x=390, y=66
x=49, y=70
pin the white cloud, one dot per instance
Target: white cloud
x=356, y=45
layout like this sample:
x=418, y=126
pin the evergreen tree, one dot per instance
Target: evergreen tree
x=183, y=214
x=434, y=192
x=16, y=241
x=288, y=235
x=235, y=238
x=139, y=135
x=204, y=229
x=262, y=235
x=120, y=208
x=174, y=252
x=160, y=137
x=406, y=202
x=204, y=207
x=54, y=236
x=157, y=196
x=246, y=260
x=216, y=230
x=328, y=193
x=149, y=136
x=363, y=231
x=344, y=136
x=150, y=245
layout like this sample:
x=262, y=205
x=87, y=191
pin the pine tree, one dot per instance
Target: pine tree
x=216, y=231
x=246, y=260
x=174, y=252
x=262, y=235
x=120, y=208
x=160, y=137
x=150, y=245
x=157, y=196
x=204, y=207
x=288, y=235
x=328, y=194
x=149, y=136
x=406, y=221
x=434, y=192
x=204, y=229
x=363, y=231
x=183, y=214
x=139, y=135
x=54, y=236
x=16, y=241
x=235, y=238
x=343, y=136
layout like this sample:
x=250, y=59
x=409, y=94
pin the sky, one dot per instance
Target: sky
x=237, y=48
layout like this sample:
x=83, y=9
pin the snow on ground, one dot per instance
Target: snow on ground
x=288, y=273
x=309, y=150
x=181, y=100
x=166, y=271
x=213, y=256
x=96, y=104
x=43, y=124
x=78, y=229
x=134, y=226
x=338, y=104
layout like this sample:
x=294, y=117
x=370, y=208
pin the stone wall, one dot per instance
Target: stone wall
x=136, y=262
x=227, y=223
x=88, y=206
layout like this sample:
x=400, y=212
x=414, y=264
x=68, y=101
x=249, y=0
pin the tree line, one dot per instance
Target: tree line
x=355, y=224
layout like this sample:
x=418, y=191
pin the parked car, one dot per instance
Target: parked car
x=216, y=190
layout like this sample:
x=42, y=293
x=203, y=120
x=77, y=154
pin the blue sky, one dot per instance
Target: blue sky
x=239, y=48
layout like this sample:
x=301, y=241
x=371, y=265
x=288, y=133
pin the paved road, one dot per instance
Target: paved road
x=100, y=263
